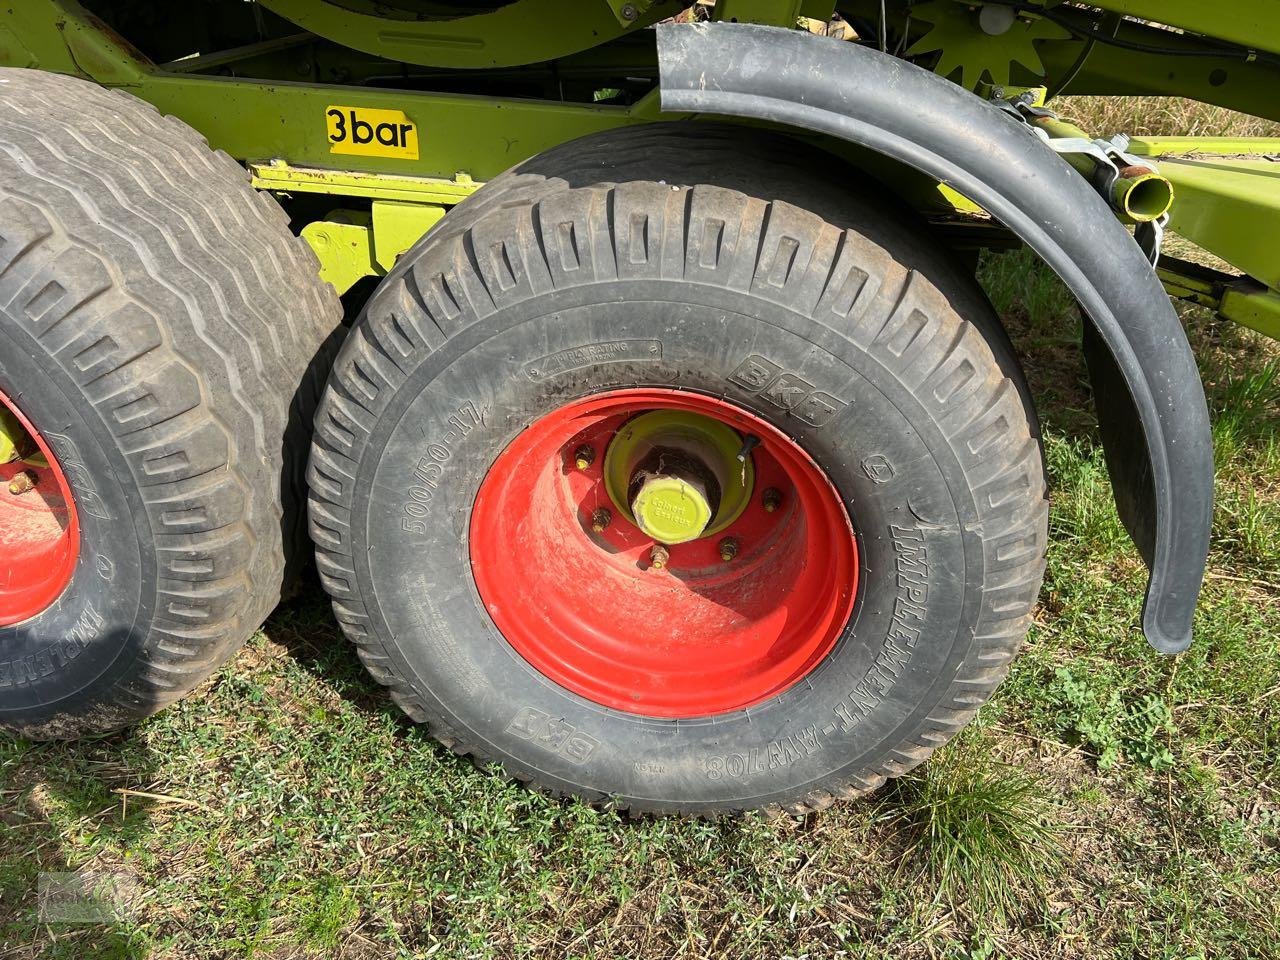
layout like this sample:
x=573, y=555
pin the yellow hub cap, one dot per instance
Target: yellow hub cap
x=671, y=510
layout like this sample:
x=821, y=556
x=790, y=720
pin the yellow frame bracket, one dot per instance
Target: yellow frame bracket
x=353, y=244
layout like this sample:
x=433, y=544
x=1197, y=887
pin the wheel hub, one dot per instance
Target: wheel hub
x=620, y=547
x=39, y=530
x=671, y=473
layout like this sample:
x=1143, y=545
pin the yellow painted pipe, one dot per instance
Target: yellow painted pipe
x=1139, y=196
x=1142, y=195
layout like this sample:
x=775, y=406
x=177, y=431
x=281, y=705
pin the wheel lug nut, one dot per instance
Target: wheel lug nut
x=24, y=481
x=600, y=519
x=584, y=457
x=728, y=548
x=659, y=556
x=771, y=499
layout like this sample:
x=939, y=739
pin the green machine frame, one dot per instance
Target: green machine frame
x=268, y=102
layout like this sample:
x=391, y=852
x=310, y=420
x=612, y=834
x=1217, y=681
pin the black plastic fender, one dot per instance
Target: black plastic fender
x=1146, y=383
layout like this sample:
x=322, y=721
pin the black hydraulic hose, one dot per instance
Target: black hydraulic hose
x=1074, y=70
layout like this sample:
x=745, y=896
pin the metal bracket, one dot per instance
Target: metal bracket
x=351, y=245
x=1111, y=159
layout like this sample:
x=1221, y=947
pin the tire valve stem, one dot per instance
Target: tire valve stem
x=584, y=456
x=749, y=443
x=23, y=481
x=659, y=556
x=771, y=499
x=728, y=548
x=600, y=519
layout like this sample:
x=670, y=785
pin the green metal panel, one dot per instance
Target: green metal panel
x=1143, y=59
x=481, y=136
x=352, y=244
x=397, y=226
x=1254, y=24
x=13, y=52
x=1199, y=290
x=778, y=13
x=1229, y=81
x=524, y=31
x=1253, y=306
x=344, y=248
x=60, y=35
x=1240, y=299
x=279, y=175
x=1231, y=207
x=1218, y=146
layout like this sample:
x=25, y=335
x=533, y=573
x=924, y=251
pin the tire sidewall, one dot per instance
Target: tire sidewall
x=90, y=634
x=904, y=488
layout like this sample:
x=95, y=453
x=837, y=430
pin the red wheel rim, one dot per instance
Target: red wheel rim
x=702, y=637
x=39, y=530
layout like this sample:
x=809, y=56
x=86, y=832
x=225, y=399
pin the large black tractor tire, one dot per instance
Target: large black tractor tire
x=717, y=262
x=167, y=336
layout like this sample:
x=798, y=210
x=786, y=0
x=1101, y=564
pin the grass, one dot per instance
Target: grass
x=1108, y=803
x=984, y=835
x=1161, y=116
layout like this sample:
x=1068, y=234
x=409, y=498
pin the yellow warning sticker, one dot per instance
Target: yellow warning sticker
x=365, y=132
